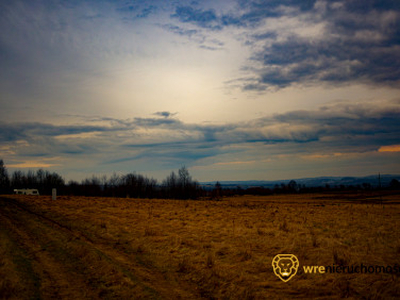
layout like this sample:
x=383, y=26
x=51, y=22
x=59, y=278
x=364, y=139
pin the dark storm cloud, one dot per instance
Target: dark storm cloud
x=376, y=124
x=257, y=11
x=336, y=61
x=340, y=119
x=360, y=125
x=136, y=9
x=16, y=131
x=248, y=14
x=251, y=13
x=165, y=114
x=157, y=122
x=339, y=127
x=202, y=18
x=359, y=42
x=335, y=129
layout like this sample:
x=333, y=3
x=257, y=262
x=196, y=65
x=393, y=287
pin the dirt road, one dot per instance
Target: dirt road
x=43, y=257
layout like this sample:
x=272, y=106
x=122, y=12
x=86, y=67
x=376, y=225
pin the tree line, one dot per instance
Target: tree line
x=175, y=186
x=295, y=188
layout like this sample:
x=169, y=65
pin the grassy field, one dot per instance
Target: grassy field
x=77, y=247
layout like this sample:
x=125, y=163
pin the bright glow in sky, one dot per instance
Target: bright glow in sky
x=234, y=90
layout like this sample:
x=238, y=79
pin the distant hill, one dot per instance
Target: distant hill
x=332, y=181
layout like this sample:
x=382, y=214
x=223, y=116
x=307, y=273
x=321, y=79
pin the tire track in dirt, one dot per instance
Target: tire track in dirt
x=70, y=265
x=54, y=280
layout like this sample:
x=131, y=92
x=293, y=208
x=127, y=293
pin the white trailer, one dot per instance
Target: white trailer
x=26, y=191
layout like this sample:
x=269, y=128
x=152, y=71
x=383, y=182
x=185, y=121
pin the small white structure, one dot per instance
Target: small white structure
x=26, y=191
x=54, y=194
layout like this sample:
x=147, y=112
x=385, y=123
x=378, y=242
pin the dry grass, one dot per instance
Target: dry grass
x=79, y=247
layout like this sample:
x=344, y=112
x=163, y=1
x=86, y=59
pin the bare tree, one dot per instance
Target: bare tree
x=184, y=177
x=4, y=180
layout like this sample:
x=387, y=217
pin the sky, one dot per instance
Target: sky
x=233, y=90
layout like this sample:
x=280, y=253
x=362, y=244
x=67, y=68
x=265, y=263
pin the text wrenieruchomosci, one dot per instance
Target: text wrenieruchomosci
x=285, y=267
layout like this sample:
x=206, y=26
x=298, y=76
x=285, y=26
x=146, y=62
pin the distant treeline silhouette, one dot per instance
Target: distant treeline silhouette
x=292, y=187
x=175, y=186
x=132, y=185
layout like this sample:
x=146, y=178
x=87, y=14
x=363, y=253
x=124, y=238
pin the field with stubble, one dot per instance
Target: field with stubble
x=79, y=247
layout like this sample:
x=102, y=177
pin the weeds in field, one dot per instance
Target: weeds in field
x=148, y=231
x=283, y=226
x=339, y=258
x=184, y=265
x=221, y=250
x=210, y=261
x=314, y=239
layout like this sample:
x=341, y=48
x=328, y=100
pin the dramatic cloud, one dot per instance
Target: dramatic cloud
x=165, y=114
x=338, y=128
x=202, y=18
x=356, y=41
x=229, y=88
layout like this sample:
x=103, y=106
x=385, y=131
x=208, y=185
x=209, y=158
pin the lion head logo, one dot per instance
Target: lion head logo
x=285, y=266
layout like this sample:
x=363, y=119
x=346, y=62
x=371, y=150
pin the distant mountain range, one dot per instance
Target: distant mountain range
x=332, y=181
